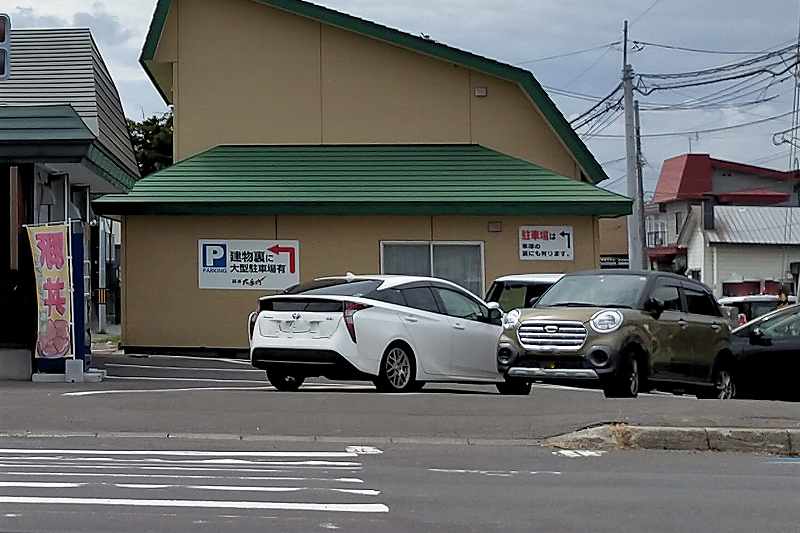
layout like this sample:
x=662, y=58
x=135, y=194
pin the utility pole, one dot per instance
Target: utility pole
x=635, y=232
x=639, y=198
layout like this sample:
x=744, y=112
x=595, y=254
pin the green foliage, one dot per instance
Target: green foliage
x=152, y=142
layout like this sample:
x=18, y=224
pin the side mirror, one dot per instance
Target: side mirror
x=493, y=305
x=495, y=316
x=655, y=307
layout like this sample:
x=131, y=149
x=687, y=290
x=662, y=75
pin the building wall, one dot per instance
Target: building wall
x=738, y=263
x=727, y=181
x=161, y=260
x=667, y=221
x=277, y=78
x=613, y=236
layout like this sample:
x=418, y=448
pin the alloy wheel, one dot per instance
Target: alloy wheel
x=398, y=368
x=633, y=379
x=726, y=387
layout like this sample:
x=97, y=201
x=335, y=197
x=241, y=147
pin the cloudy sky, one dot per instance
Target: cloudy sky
x=522, y=32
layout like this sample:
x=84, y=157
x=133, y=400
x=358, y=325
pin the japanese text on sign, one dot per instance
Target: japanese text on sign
x=546, y=243
x=49, y=247
x=240, y=264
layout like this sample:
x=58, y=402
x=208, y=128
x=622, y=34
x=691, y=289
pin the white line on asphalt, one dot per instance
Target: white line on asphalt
x=125, y=502
x=40, y=485
x=110, y=461
x=142, y=391
x=203, y=380
x=167, y=476
x=206, y=369
x=363, y=450
x=178, y=453
x=178, y=468
x=574, y=454
x=492, y=473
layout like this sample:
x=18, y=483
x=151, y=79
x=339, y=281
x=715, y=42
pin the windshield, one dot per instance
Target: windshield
x=336, y=287
x=596, y=290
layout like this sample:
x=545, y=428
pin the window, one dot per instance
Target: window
x=782, y=326
x=420, y=298
x=670, y=296
x=336, y=287
x=461, y=263
x=512, y=297
x=460, y=306
x=389, y=296
x=700, y=303
x=595, y=290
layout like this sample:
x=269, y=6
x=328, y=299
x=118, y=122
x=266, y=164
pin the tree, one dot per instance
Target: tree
x=152, y=142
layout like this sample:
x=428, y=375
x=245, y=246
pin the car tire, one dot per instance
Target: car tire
x=283, y=381
x=514, y=387
x=398, y=371
x=626, y=382
x=725, y=385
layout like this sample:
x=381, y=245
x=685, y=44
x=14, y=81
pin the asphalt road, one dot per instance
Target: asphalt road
x=187, y=395
x=134, y=485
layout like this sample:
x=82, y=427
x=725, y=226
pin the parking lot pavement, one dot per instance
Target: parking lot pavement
x=129, y=485
x=186, y=395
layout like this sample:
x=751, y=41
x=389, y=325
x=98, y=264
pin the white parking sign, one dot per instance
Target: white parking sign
x=255, y=265
x=546, y=243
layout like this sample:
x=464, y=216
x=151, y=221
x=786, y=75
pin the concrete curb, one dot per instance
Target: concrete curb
x=623, y=436
x=355, y=440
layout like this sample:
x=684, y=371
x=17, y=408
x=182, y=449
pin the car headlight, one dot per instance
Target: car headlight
x=511, y=318
x=606, y=321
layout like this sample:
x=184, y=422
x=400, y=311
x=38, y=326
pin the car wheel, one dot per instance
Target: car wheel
x=626, y=382
x=724, y=386
x=284, y=382
x=514, y=387
x=398, y=371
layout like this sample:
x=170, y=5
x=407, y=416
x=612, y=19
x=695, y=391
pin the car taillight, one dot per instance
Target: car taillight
x=350, y=309
x=252, y=323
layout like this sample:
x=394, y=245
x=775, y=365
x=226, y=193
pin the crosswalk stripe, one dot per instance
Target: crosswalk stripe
x=167, y=476
x=201, y=504
x=176, y=453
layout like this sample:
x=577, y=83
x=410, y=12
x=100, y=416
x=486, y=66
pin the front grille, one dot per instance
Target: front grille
x=552, y=335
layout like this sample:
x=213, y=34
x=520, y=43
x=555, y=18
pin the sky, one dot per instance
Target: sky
x=523, y=32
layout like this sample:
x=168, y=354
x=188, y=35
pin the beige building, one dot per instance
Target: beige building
x=336, y=144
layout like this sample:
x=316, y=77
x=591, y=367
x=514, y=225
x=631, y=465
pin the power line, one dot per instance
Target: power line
x=723, y=68
x=699, y=50
x=645, y=12
x=598, y=104
x=590, y=67
x=711, y=130
x=568, y=54
x=748, y=74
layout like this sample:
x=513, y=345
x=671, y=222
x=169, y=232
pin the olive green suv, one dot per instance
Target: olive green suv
x=628, y=331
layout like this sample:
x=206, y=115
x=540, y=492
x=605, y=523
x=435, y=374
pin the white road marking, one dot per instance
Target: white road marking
x=200, y=368
x=177, y=453
x=307, y=388
x=363, y=450
x=574, y=454
x=143, y=391
x=167, y=476
x=197, y=380
x=490, y=473
x=40, y=485
x=11, y=515
x=328, y=525
x=200, y=504
x=142, y=486
x=178, y=468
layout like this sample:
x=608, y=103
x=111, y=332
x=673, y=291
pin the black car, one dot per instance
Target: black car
x=767, y=355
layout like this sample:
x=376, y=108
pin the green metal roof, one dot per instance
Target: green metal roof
x=53, y=133
x=522, y=77
x=361, y=180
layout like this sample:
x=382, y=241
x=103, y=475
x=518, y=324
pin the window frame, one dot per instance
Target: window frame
x=668, y=283
x=484, y=318
x=708, y=295
x=430, y=244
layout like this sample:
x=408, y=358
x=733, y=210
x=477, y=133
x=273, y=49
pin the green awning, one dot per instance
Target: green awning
x=361, y=180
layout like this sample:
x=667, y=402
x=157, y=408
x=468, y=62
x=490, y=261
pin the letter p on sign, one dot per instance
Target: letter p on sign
x=215, y=255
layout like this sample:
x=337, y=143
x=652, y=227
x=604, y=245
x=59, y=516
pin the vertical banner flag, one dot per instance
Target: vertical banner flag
x=50, y=250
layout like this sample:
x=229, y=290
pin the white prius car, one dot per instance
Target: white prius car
x=399, y=332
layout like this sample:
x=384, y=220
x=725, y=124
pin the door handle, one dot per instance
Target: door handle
x=411, y=319
x=716, y=327
x=683, y=324
x=458, y=326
